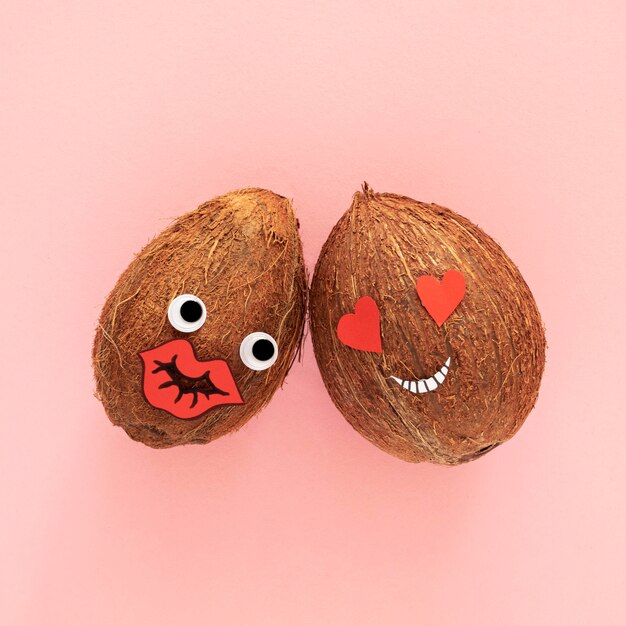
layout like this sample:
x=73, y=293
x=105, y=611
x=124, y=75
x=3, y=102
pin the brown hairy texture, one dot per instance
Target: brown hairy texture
x=495, y=337
x=241, y=254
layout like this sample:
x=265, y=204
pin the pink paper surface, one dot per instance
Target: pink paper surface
x=117, y=117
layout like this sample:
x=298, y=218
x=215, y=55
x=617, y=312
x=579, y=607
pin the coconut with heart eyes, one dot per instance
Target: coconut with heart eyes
x=204, y=324
x=427, y=337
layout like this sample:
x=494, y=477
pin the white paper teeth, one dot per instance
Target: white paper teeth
x=424, y=385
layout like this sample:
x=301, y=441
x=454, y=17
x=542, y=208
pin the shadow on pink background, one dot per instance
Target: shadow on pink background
x=117, y=117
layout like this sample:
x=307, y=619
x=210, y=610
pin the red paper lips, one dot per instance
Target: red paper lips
x=177, y=382
x=441, y=298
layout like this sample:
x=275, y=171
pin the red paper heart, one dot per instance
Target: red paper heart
x=361, y=329
x=441, y=298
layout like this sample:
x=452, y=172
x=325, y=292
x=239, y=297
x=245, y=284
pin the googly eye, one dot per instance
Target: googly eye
x=186, y=313
x=258, y=351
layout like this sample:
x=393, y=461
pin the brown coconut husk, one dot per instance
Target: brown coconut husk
x=495, y=337
x=242, y=255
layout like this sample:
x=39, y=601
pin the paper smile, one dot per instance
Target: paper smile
x=424, y=385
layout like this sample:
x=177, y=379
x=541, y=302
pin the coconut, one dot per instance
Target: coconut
x=204, y=324
x=426, y=335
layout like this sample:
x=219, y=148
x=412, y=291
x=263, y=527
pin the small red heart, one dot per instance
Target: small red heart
x=361, y=329
x=441, y=298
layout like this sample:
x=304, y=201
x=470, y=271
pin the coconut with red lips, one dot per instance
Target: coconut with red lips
x=426, y=335
x=204, y=324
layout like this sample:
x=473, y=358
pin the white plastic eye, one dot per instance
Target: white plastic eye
x=258, y=351
x=186, y=313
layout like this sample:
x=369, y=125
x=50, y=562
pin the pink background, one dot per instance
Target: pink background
x=116, y=117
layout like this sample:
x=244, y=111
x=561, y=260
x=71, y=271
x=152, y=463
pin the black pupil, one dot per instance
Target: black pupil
x=263, y=349
x=191, y=311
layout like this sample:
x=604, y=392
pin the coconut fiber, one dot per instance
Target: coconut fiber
x=241, y=255
x=494, y=337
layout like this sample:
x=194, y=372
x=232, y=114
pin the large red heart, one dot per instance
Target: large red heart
x=361, y=329
x=441, y=298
